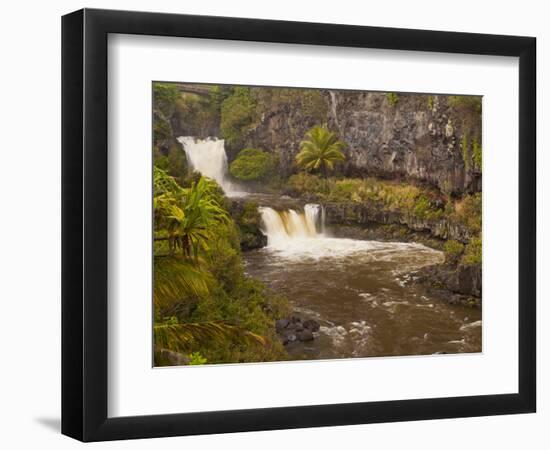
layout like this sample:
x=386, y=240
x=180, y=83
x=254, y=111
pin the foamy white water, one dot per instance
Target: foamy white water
x=298, y=236
x=208, y=157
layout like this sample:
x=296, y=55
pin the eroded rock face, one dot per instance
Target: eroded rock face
x=417, y=137
x=369, y=212
x=461, y=279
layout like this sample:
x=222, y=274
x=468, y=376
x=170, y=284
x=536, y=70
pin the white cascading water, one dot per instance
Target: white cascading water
x=208, y=157
x=284, y=226
x=295, y=236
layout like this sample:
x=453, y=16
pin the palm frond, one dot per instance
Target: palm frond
x=176, y=278
x=320, y=149
x=184, y=336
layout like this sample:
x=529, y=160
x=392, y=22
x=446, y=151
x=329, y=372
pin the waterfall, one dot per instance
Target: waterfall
x=283, y=226
x=208, y=157
x=299, y=236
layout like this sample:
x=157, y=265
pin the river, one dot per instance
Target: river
x=362, y=293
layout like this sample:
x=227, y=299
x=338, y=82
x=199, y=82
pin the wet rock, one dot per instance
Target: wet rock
x=464, y=281
x=397, y=224
x=312, y=325
x=281, y=324
x=305, y=335
x=294, y=329
x=288, y=338
x=411, y=139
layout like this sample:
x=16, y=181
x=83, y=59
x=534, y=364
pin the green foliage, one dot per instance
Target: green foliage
x=176, y=280
x=252, y=164
x=420, y=202
x=164, y=183
x=161, y=129
x=422, y=206
x=238, y=115
x=217, y=96
x=467, y=102
x=164, y=97
x=248, y=221
x=185, y=217
x=476, y=154
x=431, y=102
x=203, y=300
x=392, y=98
x=453, y=250
x=320, y=150
x=465, y=148
x=472, y=253
x=468, y=212
x=305, y=183
x=197, y=114
x=196, y=359
x=181, y=337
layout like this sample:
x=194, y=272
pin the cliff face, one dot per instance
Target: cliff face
x=365, y=214
x=414, y=137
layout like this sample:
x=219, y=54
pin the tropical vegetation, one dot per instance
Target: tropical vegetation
x=320, y=151
x=253, y=164
x=206, y=309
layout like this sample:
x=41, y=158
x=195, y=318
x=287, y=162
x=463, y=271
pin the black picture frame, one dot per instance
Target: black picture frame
x=84, y=224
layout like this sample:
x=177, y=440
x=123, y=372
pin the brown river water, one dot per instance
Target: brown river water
x=361, y=292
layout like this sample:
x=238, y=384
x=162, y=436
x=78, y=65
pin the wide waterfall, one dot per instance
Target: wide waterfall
x=282, y=226
x=208, y=157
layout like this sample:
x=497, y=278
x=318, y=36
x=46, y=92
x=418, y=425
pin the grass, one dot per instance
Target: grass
x=417, y=201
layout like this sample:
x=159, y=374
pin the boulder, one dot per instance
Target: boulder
x=312, y=325
x=281, y=324
x=305, y=335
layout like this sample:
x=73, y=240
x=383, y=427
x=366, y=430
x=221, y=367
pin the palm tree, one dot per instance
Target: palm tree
x=320, y=150
x=186, y=217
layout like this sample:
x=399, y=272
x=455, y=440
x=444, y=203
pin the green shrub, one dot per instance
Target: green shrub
x=196, y=359
x=472, y=253
x=347, y=189
x=252, y=164
x=161, y=129
x=305, y=183
x=238, y=115
x=393, y=98
x=164, y=97
x=468, y=211
x=422, y=206
x=453, y=250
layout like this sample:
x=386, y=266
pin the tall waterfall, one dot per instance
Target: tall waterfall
x=283, y=226
x=208, y=157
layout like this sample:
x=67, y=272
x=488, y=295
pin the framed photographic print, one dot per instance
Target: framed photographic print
x=274, y=224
